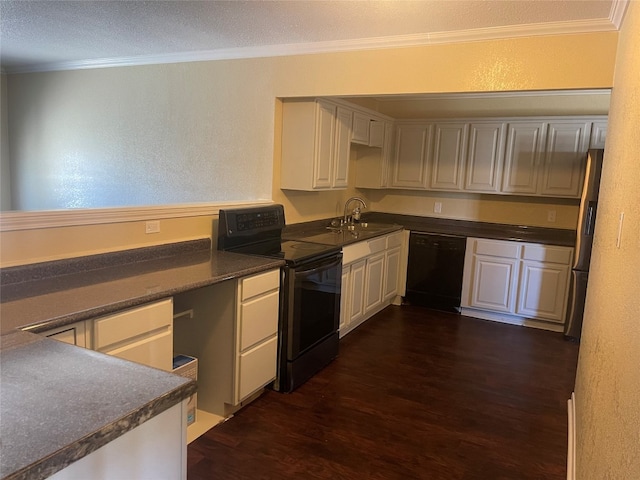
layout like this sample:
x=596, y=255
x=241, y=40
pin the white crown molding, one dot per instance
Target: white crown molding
x=618, y=9
x=437, y=38
x=18, y=220
x=512, y=94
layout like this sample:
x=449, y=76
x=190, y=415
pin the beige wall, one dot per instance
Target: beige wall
x=32, y=246
x=246, y=91
x=608, y=379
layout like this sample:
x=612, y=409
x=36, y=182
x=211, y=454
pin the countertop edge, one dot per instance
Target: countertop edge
x=114, y=307
x=44, y=468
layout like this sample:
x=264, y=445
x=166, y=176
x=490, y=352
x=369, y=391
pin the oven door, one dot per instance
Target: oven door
x=314, y=304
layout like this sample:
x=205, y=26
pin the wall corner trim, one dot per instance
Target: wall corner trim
x=13, y=221
x=571, y=438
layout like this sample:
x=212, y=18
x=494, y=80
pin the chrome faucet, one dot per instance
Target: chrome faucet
x=355, y=213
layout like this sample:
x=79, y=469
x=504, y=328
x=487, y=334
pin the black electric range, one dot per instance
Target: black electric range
x=309, y=291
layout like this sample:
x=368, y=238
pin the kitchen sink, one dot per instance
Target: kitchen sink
x=360, y=227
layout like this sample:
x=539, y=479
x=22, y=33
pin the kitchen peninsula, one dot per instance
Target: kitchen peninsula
x=61, y=403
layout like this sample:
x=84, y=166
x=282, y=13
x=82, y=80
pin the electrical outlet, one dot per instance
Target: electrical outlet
x=437, y=207
x=551, y=216
x=152, y=226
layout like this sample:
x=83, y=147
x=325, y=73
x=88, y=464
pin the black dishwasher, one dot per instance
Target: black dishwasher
x=434, y=274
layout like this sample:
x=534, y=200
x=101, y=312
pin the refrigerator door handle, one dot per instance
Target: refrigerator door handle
x=591, y=218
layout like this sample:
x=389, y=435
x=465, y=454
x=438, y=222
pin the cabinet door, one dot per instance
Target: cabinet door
x=524, y=144
x=391, y=273
x=324, y=145
x=598, y=134
x=387, y=153
x=345, y=295
x=543, y=290
x=449, y=151
x=413, y=144
x=360, y=128
x=485, y=156
x=257, y=367
x=258, y=319
x=494, y=283
x=356, y=300
x=74, y=334
x=376, y=133
x=340, y=167
x=374, y=282
x=565, y=158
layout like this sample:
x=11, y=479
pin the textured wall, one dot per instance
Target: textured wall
x=236, y=110
x=608, y=379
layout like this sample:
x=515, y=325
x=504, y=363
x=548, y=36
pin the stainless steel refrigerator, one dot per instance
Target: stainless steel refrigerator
x=584, y=241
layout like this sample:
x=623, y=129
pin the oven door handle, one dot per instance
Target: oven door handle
x=323, y=266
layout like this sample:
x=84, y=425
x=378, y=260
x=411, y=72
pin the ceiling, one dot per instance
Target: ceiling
x=59, y=35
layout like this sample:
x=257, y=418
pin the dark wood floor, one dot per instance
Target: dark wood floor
x=414, y=394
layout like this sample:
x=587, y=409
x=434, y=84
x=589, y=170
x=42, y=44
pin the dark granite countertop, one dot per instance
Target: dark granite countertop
x=51, y=300
x=60, y=402
x=316, y=231
x=464, y=228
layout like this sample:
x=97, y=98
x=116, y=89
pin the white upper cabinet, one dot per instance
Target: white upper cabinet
x=367, y=130
x=410, y=165
x=360, y=128
x=565, y=158
x=376, y=133
x=447, y=161
x=598, y=134
x=315, y=145
x=342, y=145
x=532, y=156
x=525, y=141
x=485, y=156
x=373, y=164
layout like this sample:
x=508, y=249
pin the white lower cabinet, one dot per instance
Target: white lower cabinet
x=232, y=329
x=392, y=264
x=371, y=278
x=516, y=282
x=256, y=333
x=354, y=313
x=374, y=278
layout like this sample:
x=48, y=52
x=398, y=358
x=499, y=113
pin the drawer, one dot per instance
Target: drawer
x=155, y=351
x=377, y=244
x=257, y=284
x=132, y=323
x=547, y=253
x=258, y=319
x=354, y=252
x=498, y=248
x=257, y=367
x=394, y=239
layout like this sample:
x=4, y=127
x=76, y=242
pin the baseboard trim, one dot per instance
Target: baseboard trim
x=512, y=319
x=571, y=438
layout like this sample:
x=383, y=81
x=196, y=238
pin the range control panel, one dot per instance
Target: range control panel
x=257, y=220
x=250, y=221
